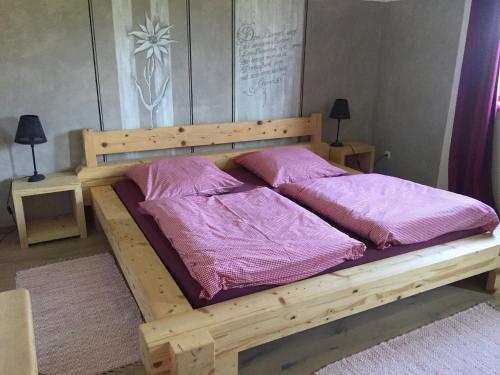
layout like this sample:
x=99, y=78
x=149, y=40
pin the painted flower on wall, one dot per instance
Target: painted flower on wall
x=154, y=40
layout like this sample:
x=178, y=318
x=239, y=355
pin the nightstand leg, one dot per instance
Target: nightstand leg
x=493, y=283
x=372, y=161
x=21, y=221
x=79, y=212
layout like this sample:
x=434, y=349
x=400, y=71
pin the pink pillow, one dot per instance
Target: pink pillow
x=282, y=165
x=182, y=176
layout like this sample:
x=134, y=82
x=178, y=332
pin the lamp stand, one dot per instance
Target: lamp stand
x=36, y=177
x=337, y=143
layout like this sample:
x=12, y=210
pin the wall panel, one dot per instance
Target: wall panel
x=211, y=52
x=130, y=81
x=268, y=54
x=268, y=58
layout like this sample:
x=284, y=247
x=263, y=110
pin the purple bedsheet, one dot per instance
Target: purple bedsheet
x=131, y=195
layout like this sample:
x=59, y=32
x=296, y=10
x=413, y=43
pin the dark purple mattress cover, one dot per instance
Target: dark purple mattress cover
x=131, y=195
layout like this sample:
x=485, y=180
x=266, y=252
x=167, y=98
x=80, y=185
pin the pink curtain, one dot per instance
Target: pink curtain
x=470, y=163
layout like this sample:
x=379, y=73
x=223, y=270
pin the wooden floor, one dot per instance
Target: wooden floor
x=302, y=353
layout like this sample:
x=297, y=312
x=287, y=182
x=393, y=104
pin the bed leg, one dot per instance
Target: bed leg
x=192, y=353
x=493, y=283
x=226, y=364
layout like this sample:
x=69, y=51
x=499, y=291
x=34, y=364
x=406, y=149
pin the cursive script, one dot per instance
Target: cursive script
x=263, y=58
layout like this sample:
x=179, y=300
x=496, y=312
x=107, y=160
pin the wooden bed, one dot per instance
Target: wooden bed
x=177, y=339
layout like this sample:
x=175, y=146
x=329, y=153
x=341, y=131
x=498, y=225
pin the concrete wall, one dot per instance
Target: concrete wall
x=342, y=53
x=46, y=68
x=420, y=43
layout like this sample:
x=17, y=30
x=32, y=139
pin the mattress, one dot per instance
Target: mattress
x=131, y=196
x=389, y=210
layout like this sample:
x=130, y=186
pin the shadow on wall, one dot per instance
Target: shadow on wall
x=75, y=147
x=6, y=221
x=8, y=126
x=72, y=140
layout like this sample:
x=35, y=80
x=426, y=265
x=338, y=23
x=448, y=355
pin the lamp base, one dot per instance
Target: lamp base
x=36, y=177
x=337, y=144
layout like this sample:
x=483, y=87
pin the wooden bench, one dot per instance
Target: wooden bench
x=17, y=339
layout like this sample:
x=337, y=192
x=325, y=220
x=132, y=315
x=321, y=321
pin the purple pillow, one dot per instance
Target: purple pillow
x=283, y=165
x=181, y=176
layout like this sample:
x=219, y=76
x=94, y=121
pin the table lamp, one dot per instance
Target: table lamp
x=30, y=132
x=340, y=111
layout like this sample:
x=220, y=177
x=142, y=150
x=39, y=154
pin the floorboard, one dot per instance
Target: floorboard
x=302, y=353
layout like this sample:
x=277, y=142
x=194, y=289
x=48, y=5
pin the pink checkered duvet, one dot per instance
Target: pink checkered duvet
x=391, y=211
x=251, y=238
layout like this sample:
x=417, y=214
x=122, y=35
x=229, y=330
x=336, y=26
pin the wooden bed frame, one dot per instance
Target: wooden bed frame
x=177, y=339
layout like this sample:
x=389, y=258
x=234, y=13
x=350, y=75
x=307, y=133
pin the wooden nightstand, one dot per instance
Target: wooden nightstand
x=351, y=152
x=46, y=229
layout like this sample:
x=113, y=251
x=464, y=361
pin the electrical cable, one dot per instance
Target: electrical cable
x=7, y=203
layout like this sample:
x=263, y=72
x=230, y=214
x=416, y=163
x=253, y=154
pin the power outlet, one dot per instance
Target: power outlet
x=387, y=155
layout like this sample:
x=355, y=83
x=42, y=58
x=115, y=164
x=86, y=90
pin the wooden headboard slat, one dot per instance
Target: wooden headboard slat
x=123, y=141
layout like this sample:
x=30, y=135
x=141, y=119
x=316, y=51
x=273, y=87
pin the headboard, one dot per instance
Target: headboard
x=98, y=143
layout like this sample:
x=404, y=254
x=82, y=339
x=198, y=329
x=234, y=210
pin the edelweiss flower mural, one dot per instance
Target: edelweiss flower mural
x=154, y=40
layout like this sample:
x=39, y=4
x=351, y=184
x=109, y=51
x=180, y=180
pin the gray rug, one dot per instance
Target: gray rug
x=84, y=316
x=467, y=343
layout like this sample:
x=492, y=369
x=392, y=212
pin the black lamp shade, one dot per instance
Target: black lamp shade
x=30, y=131
x=340, y=110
